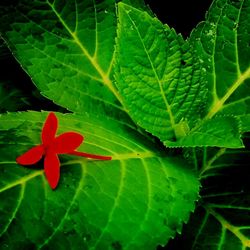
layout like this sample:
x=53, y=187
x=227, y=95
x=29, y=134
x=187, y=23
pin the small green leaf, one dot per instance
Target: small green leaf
x=216, y=132
x=137, y=200
x=157, y=74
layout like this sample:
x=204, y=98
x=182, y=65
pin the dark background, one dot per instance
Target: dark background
x=183, y=15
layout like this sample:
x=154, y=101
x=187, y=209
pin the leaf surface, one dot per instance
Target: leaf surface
x=137, y=200
x=67, y=48
x=157, y=74
x=220, y=131
x=245, y=122
x=223, y=40
x=221, y=221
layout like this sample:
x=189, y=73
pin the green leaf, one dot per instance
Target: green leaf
x=67, y=48
x=157, y=74
x=138, y=4
x=223, y=41
x=245, y=123
x=137, y=200
x=221, y=131
x=222, y=220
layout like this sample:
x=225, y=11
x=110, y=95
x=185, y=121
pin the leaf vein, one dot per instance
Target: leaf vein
x=77, y=192
x=19, y=201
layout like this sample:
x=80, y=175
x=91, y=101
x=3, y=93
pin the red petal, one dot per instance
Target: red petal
x=93, y=156
x=31, y=156
x=67, y=142
x=49, y=129
x=52, y=169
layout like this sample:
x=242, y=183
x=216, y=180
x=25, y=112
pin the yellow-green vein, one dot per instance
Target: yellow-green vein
x=227, y=226
x=168, y=107
x=236, y=43
x=208, y=164
x=19, y=201
x=149, y=202
x=22, y=180
x=217, y=106
x=203, y=224
x=115, y=204
x=77, y=192
x=104, y=76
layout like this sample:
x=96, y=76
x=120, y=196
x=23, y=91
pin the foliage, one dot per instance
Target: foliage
x=174, y=115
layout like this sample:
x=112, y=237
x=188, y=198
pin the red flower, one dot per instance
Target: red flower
x=51, y=146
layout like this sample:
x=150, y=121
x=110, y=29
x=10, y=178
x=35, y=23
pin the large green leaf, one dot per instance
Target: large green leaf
x=222, y=219
x=223, y=40
x=137, y=200
x=67, y=48
x=158, y=74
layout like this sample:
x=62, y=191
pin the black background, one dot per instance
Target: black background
x=183, y=15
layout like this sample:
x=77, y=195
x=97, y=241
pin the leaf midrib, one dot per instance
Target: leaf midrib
x=218, y=105
x=149, y=204
x=20, y=199
x=22, y=180
x=104, y=76
x=236, y=42
x=227, y=226
x=115, y=204
x=168, y=107
x=203, y=224
x=77, y=192
x=117, y=157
